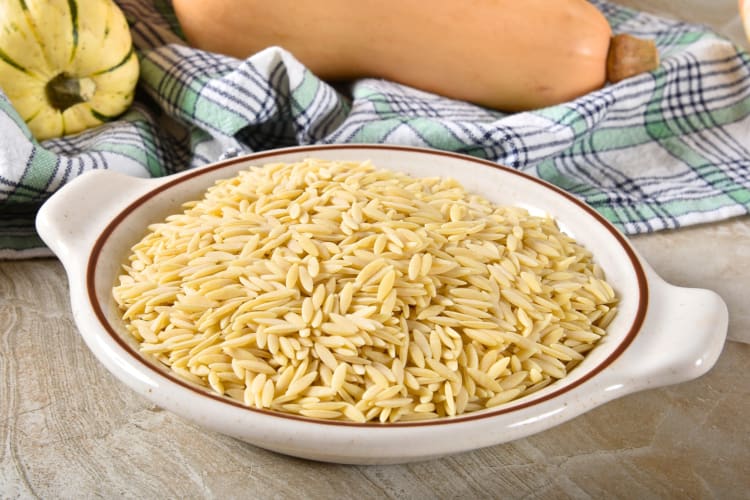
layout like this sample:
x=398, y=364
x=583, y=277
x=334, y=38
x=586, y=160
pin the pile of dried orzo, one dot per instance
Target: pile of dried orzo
x=337, y=290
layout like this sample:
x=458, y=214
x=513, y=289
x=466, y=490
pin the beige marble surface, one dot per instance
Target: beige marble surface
x=69, y=430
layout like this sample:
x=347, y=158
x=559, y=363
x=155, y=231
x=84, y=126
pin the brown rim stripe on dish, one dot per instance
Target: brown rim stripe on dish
x=113, y=225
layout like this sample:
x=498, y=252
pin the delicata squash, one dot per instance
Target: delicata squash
x=505, y=54
x=66, y=65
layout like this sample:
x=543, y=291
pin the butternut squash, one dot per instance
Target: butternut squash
x=505, y=54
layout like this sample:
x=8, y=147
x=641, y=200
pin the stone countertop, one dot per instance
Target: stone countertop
x=69, y=429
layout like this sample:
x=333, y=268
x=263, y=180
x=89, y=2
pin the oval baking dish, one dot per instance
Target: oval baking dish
x=662, y=334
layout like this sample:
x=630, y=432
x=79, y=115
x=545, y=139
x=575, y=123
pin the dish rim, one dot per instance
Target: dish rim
x=122, y=214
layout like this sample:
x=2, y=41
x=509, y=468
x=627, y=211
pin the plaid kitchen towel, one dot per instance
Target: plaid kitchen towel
x=661, y=150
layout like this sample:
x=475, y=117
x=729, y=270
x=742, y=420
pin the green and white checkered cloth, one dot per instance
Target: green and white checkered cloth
x=661, y=150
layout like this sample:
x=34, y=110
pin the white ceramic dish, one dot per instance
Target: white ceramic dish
x=662, y=334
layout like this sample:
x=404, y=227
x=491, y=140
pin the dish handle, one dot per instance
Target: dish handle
x=682, y=337
x=72, y=218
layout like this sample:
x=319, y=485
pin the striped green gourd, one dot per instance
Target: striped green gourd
x=66, y=65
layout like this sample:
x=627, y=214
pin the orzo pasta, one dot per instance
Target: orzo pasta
x=337, y=290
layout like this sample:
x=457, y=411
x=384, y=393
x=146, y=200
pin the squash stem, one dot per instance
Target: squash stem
x=64, y=91
x=629, y=56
